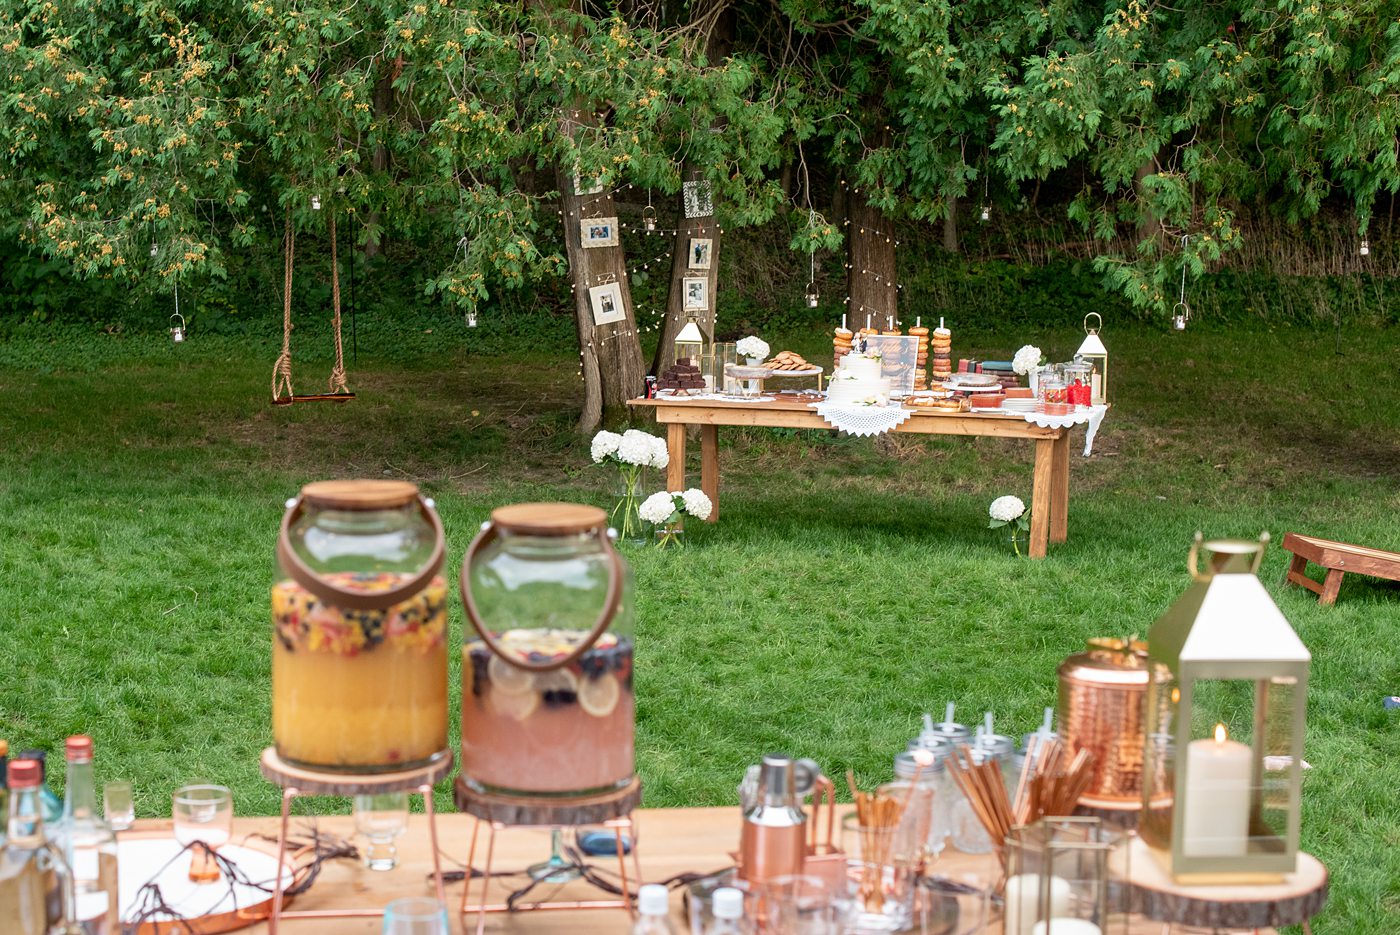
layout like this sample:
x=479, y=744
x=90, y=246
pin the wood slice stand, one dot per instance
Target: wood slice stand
x=612, y=810
x=1156, y=895
x=296, y=781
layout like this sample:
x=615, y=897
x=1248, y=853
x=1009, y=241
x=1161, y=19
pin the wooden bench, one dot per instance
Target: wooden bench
x=1338, y=558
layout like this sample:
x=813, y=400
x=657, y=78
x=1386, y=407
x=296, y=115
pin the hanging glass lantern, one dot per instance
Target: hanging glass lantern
x=1180, y=315
x=471, y=319
x=986, y=212
x=813, y=297
x=1093, y=352
x=1365, y=248
x=690, y=344
x=649, y=218
x=315, y=202
x=154, y=249
x=1222, y=759
x=177, y=333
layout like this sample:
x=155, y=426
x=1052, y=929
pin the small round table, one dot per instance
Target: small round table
x=1157, y=896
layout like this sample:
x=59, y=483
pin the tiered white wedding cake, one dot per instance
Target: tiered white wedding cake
x=857, y=382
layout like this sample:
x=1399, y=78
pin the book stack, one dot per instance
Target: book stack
x=1001, y=369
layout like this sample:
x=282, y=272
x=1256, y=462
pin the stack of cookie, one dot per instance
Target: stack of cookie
x=921, y=373
x=683, y=378
x=942, y=353
x=787, y=360
x=841, y=343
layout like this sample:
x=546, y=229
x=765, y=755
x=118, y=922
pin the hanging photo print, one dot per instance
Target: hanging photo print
x=699, y=203
x=606, y=301
x=696, y=292
x=592, y=186
x=598, y=232
x=700, y=252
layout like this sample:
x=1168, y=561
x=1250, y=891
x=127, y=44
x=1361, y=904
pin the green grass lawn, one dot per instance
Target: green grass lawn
x=851, y=585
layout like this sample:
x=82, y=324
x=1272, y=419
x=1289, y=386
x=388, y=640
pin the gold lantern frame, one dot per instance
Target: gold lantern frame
x=690, y=343
x=1224, y=628
x=1093, y=351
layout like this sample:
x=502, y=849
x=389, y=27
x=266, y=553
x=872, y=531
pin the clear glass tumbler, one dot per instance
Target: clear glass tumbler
x=881, y=871
x=380, y=819
x=202, y=814
x=415, y=915
x=117, y=805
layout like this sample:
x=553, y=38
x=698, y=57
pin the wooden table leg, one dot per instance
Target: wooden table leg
x=1041, y=496
x=1059, y=491
x=675, y=450
x=709, y=467
x=1330, y=586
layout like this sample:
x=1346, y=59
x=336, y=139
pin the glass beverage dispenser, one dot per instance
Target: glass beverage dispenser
x=547, y=704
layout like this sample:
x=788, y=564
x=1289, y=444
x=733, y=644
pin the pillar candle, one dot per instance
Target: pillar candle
x=1218, y=772
x=1066, y=926
x=1023, y=901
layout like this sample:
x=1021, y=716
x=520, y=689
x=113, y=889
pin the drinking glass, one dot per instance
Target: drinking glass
x=804, y=905
x=203, y=813
x=415, y=915
x=381, y=818
x=117, y=805
x=882, y=874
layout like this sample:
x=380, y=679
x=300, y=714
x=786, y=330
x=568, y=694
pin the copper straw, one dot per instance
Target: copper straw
x=1046, y=786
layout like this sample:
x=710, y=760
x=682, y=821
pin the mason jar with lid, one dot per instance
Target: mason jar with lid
x=359, y=657
x=547, y=703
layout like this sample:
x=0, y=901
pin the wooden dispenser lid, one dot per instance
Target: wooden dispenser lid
x=359, y=494
x=549, y=519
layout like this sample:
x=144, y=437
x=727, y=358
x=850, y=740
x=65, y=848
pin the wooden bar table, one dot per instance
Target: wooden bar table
x=1050, y=480
x=673, y=841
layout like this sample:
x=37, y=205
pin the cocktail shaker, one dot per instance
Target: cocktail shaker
x=773, y=840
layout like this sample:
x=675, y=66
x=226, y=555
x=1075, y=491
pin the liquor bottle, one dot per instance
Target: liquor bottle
x=653, y=911
x=51, y=804
x=36, y=889
x=89, y=844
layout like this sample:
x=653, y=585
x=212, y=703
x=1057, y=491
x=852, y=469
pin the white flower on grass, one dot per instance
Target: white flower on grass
x=752, y=346
x=697, y=504
x=658, y=508
x=1026, y=359
x=605, y=444
x=635, y=448
x=1007, y=509
x=660, y=454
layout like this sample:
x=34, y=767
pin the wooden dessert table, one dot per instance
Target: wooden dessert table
x=1050, y=482
x=674, y=840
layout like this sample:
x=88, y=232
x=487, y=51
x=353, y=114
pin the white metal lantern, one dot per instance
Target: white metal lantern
x=813, y=296
x=177, y=333
x=1093, y=352
x=690, y=343
x=1222, y=776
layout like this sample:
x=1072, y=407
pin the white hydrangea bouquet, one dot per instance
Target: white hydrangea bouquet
x=1010, y=511
x=753, y=347
x=664, y=511
x=633, y=452
x=1027, y=363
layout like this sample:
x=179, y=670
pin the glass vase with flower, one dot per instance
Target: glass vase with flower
x=666, y=511
x=632, y=452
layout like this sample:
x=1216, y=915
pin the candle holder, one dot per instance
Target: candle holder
x=1057, y=879
x=1223, y=746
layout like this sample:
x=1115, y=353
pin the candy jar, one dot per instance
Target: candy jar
x=359, y=658
x=547, y=705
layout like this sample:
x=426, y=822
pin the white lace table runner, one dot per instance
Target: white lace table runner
x=862, y=420
x=1093, y=416
x=718, y=398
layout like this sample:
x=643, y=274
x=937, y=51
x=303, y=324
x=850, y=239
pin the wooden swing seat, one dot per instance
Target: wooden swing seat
x=313, y=398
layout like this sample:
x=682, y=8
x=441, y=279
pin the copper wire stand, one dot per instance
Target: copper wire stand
x=296, y=781
x=612, y=810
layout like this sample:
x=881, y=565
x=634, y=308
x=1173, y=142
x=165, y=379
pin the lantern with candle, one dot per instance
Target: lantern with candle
x=1095, y=354
x=1224, y=725
x=1057, y=879
x=690, y=343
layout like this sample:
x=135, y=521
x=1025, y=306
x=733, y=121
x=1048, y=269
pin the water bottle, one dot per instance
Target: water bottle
x=653, y=911
x=729, y=913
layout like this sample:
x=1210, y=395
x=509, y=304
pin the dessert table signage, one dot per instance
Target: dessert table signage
x=899, y=360
x=1224, y=730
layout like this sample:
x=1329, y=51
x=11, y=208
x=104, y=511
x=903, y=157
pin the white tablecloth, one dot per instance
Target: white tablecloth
x=863, y=420
x=1093, y=416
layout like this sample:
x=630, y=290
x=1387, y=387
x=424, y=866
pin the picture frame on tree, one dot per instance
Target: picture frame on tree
x=598, y=232
x=699, y=253
x=606, y=303
x=698, y=198
x=695, y=293
x=593, y=186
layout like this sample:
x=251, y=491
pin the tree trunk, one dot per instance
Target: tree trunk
x=950, y=225
x=610, y=355
x=1148, y=227
x=688, y=230
x=383, y=105
x=872, y=276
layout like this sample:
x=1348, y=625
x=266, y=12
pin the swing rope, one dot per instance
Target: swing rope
x=282, y=370
x=337, y=380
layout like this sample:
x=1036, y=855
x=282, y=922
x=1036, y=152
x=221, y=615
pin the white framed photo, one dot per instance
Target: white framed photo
x=695, y=292
x=698, y=199
x=699, y=255
x=598, y=232
x=606, y=302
